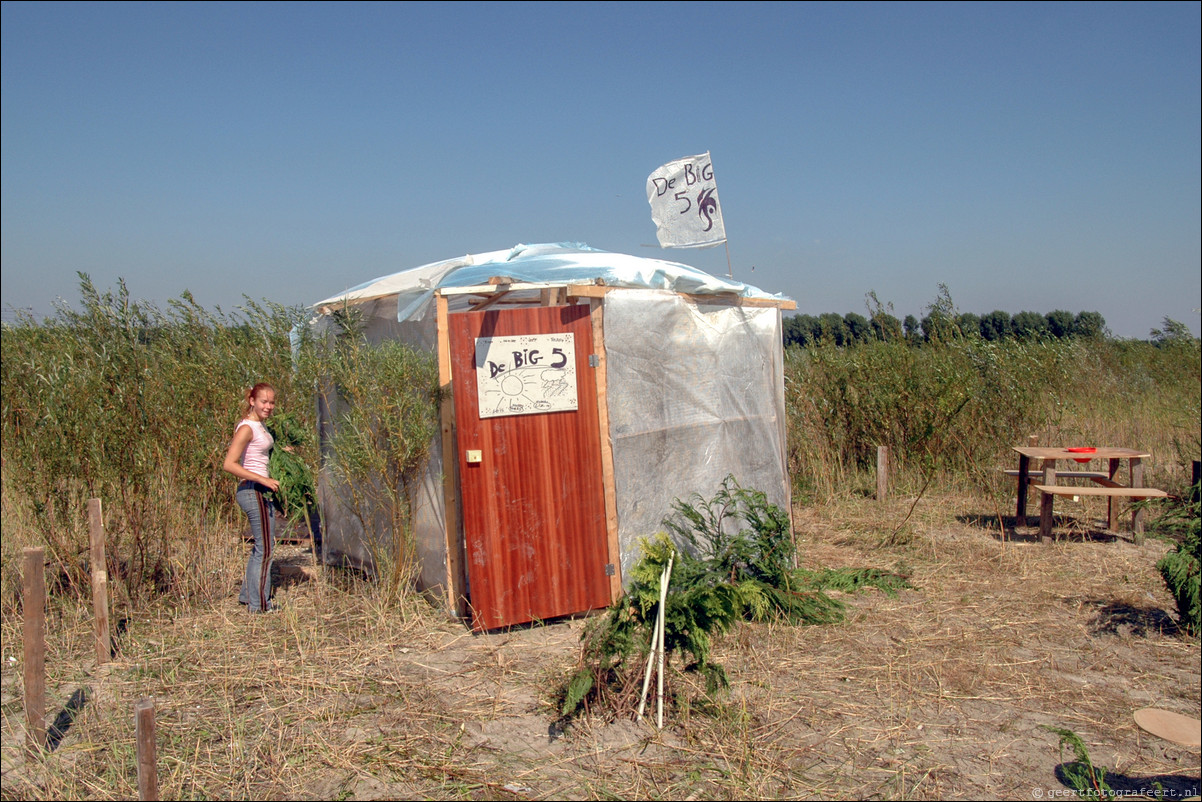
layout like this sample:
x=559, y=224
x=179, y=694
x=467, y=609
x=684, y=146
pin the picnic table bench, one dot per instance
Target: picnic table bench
x=1050, y=482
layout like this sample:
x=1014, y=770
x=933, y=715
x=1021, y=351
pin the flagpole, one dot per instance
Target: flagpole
x=729, y=272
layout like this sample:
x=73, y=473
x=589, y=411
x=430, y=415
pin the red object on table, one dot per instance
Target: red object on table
x=1082, y=450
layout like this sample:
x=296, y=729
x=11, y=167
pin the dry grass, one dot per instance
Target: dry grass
x=939, y=692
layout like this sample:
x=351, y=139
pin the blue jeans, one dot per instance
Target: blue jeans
x=256, y=586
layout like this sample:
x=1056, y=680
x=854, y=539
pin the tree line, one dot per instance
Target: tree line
x=940, y=324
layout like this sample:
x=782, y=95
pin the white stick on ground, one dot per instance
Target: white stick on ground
x=656, y=638
x=663, y=596
x=650, y=668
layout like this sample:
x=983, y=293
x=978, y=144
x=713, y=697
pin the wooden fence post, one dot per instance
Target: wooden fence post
x=33, y=603
x=148, y=775
x=882, y=472
x=1033, y=440
x=100, y=582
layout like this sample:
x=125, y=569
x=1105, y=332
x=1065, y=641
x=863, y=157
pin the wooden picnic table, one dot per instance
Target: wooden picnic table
x=1050, y=481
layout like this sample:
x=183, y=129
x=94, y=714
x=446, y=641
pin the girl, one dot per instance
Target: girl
x=246, y=459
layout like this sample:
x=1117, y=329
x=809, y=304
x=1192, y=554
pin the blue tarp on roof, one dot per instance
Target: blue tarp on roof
x=553, y=263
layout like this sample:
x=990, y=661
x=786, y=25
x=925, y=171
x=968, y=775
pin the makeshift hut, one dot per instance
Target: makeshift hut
x=583, y=392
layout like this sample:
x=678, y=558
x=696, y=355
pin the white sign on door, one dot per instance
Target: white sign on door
x=526, y=374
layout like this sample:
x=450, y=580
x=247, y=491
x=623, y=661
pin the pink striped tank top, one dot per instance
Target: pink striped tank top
x=254, y=458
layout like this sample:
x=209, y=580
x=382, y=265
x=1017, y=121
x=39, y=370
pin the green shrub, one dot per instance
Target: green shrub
x=1182, y=567
x=297, y=495
x=1088, y=780
x=736, y=562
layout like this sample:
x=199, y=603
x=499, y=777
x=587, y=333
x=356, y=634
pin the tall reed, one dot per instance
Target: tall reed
x=134, y=405
x=956, y=407
x=381, y=405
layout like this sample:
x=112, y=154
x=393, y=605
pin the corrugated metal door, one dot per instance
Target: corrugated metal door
x=533, y=501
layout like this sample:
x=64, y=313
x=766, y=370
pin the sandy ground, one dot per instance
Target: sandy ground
x=943, y=691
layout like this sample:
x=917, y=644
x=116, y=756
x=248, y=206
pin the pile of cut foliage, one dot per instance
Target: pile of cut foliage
x=297, y=495
x=737, y=562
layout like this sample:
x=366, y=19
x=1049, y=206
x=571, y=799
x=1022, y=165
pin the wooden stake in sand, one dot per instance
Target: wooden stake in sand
x=148, y=775
x=100, y=582
x=882, y=472
x=33, y=602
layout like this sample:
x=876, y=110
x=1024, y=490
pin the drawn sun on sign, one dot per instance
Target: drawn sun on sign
x=513, y=385
x=519, y=390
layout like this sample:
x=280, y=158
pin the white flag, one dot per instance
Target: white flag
x=684, y=204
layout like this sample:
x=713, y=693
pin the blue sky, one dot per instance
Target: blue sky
x=1029, y=156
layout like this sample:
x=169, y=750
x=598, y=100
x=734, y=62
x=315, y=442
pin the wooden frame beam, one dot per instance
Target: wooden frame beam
x=456, y=583
x=597, y=313
x=727, y=298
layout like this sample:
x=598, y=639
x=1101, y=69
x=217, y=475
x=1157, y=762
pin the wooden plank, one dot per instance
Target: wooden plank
x=329, y=309
x=553, y=296
x=500, y=287
x=726, y=298
x=1113, y=492
x=730, y=299
x=1102, y=452
x=1037, y=475
x=572, y=291
x=456, y=584
x=489, y=301
x=607, y=454
x=588, y=290
x=1106, y=482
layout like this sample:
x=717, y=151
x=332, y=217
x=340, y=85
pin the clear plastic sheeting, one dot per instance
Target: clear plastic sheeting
x=695, y=393
x=695, y=389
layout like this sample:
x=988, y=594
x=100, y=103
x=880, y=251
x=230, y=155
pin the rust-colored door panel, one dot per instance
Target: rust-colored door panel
x=533, y=502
